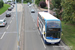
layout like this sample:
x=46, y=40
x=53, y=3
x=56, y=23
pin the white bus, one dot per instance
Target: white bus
x=49, y=27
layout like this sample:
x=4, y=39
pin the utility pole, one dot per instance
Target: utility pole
x=18, y=47
x=48, y=6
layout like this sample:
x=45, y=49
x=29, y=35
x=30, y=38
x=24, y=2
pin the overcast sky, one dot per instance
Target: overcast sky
x=6, y=0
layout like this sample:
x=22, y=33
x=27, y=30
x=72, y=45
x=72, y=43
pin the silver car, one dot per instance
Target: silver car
x=8, y=14
x=32, y=11
x=3, y=22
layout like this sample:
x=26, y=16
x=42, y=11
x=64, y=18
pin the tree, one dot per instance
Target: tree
x=68, y=11
x=56, y=4
x=27, y=1
x=37, y=2
x=42, y=4
x=1, y=4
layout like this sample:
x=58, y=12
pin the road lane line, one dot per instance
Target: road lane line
x=11, y=32
x=7, y=27
x=43, y=43
x=38, y=32
x=13, y=18
x=5, y=17
x=35, y=25
x=33, y=20
x=3, y=35
x=10, y=21
x=20, y=23
x=14, y=15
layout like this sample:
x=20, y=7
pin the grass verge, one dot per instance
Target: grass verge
x=3, y=9
x=68, y=36
x=25, y=2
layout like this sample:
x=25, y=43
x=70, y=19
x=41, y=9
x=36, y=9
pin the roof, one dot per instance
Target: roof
x=1, y=20
x=47, y=16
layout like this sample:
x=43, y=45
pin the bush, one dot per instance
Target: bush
x=42, y=4
x=1, y=4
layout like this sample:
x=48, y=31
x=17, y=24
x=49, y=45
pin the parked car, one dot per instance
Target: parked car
x=13, y=2
x=3, y=22
x=28, y=3
x=13, y=5
x=8, y=14
x=10, y=8
x=10, y=3
x=32, y=11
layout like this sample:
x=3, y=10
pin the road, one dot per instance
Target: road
x=32, y=38
x=8, y=34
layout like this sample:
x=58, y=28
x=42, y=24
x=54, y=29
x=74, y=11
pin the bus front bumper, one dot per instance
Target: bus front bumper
x=47, y=41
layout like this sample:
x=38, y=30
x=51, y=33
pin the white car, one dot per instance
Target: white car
x=28, y=3
x=11, y=6
x=3, y=22
x=32, y=11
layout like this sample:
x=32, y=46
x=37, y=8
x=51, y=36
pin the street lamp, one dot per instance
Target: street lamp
x=18, y=47
x=48, y=6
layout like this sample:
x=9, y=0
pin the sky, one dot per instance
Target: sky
x=6, y=0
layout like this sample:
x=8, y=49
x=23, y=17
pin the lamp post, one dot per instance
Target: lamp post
x=18, y=47
x=48, y=6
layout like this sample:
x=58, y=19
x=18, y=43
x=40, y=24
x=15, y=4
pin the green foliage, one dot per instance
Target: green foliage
x=26, y=1
x=42, y=4
x=68, y=36
x=1, y=4
x=56, y=4
x=68, y=11
x=18, y=1
x=9, y=1
x=37, y=2
x=4, y=8
x=45, y=7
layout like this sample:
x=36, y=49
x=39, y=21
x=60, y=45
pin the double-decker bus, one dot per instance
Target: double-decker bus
x=49, y=27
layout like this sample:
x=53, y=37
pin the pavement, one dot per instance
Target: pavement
x=41, y=9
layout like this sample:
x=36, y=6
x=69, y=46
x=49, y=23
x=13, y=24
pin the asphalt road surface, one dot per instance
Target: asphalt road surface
x=8, y=34
x=32, y=38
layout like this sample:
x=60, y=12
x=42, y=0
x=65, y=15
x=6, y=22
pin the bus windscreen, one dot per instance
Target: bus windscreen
x=53, y=24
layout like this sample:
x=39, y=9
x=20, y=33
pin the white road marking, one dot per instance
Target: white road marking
x=20, y=23
x=13, y=18
x=10, y=21
x=7, y=27
x=5, y=17
x=38, y=32
x=3, y=35
x=33, y=20
x=35, y=25
x=14, y=15
x=43, y=43
x=11, y=32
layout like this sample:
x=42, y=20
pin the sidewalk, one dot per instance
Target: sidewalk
x=41, y=9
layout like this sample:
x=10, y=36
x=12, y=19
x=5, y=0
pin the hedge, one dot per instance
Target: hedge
x=1, y=4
